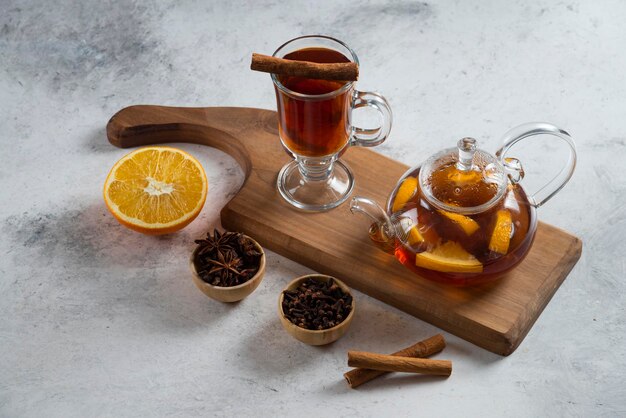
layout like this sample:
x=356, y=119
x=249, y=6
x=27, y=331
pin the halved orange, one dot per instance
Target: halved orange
x=405, y=192
x=156, y=190
x=501, y=236
x=450, y=257
x=467, y=224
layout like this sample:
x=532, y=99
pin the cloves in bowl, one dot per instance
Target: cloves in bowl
x=316, y=309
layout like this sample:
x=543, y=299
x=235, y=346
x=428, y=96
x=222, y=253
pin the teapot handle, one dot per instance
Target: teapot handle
x=514, y=167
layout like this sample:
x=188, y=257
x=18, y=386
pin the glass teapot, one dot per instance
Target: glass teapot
x=462, y=217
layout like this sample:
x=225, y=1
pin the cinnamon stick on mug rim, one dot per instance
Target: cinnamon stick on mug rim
x=342, y=71
x=399, y=364
x=425, y=348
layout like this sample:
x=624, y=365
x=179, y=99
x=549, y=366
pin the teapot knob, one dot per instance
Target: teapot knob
x=514, y=169
x=466, y=148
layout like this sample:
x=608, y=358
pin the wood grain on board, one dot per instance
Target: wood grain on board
x=496, y=316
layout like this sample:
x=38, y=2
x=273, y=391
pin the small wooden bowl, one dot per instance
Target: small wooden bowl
x=230, y=293
x=315, y=337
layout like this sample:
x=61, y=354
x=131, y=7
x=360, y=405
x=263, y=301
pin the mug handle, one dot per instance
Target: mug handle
x=514, y=168
x=361, y=137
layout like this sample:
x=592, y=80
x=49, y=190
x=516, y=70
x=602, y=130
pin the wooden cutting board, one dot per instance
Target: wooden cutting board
x=496, y=316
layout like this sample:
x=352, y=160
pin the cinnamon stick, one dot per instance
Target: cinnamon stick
x=399, y=364
x=425, y=348
x=343, y=71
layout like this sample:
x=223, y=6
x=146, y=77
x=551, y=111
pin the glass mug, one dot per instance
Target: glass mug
x=314, y=124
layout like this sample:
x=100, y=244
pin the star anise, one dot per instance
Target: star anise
x=226, y=259
x=225, y=268
x=216, y=243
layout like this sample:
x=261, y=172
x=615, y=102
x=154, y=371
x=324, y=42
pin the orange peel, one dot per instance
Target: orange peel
x=467, y=224
x=501, y=235
x=406, y=191
x=450, y=257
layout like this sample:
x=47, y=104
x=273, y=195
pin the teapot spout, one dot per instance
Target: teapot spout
x=370, y=208
x=381, y=231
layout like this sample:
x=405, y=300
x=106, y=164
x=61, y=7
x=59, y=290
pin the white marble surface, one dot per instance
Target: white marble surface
x=100, y=321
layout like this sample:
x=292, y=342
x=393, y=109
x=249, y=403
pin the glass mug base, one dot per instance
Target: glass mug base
x=315, y=195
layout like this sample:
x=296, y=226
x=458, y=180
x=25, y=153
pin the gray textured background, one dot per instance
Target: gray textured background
x=99, y=321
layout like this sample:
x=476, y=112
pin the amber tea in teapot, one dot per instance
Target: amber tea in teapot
x=462, y=217
x=476, y=247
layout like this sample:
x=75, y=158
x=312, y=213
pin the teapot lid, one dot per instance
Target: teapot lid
x=464, y=179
